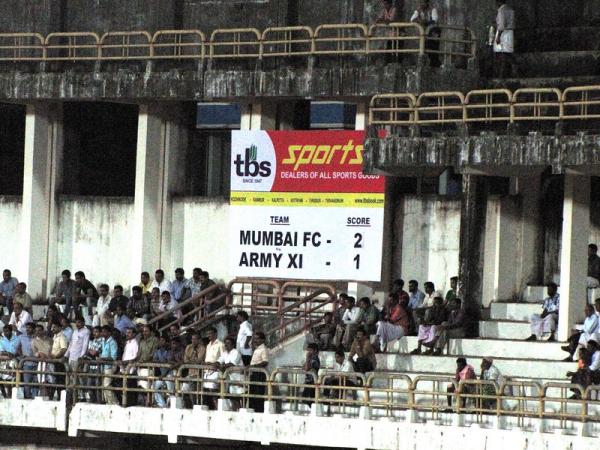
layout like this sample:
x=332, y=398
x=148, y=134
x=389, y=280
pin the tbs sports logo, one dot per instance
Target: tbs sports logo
x=249, y=166
x=253, y=164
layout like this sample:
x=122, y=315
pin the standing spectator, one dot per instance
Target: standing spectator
x=260, y=360
x=453, y=328
x=427, y=17
x=546, y=322
x=451, y=294
x=350, y=322
x=361, y=353
x=174, y=359
x=312, y=364
x=8, y=361
x=428, y=330
x=93, y=352
x=7, y=289
x=214, y=348
x=145, y=283
x=322, y=332
x=66, y=328
x=147, y=349
x=231, y=357
x=129, y=357
x=103, y=316
x=78, y=346
x=206, y=299
x=178, y=285
x=139, y=305
x=63, y=294
x=394, y=323
x=389, y=14
x=489, y=372
x=370, y=315
x=415, y=303
x=591, y=326
x=57, y=369
x=505, y=38
x=21, y=296
x=244, y=337
x=85, y=292
x=463, y=372
x=24, y=350
x=41, y=347
x=108, y=353
x=593, y=274
x=195, y=353
x=19, y=318
x=160, y=282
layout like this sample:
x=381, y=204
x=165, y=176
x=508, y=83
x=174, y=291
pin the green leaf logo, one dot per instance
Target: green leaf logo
x=253, y=152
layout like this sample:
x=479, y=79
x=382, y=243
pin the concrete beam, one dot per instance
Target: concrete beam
x=573, y=256
x=43, y=150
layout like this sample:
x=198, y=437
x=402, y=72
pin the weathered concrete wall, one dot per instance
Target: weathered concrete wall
x=39, y=16
x=10, y=231
x=94, y=236
x=429, y=236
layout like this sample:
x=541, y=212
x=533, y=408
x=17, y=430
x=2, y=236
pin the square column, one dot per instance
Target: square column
x=573, y=256
x=43, y=150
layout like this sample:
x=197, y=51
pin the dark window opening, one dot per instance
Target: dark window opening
x=12, y=148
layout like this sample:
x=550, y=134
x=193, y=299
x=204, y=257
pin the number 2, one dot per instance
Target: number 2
x=358, y=242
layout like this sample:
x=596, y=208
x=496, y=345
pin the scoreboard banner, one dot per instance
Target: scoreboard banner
x=301, y=208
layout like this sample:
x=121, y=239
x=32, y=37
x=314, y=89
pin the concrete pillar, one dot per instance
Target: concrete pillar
x=472, y=231
x=259, y=116
x=158, y=175
x=505, y=253
x=529, y=246
x=43, y=149
x=573, y=257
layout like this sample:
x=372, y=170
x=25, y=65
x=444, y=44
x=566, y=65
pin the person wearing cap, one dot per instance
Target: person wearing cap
x=489, y=372
x=464, y=372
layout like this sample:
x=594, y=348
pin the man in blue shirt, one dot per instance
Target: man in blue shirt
x=7, y=289
x=24, y=351
x=8, y=362
x=122, y=321
x=108, y=352
x=178, y=285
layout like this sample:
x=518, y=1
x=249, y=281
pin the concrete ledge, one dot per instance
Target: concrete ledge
x=37, y=413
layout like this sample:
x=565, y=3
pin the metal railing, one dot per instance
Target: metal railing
x=386, y=394
x=238, y=43
x=486, y=106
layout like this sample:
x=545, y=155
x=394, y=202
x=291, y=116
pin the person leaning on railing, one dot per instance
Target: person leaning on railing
x=41, y=347
x=108, y=353
x=92, y=353
x=231, y=357
x=260, y=360
x=194, y=354
x=167, y=375
x=464, y=372
x=390, y=14
x=24, y=350
x=427, y=16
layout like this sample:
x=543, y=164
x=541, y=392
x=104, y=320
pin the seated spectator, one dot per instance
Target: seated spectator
x=167, y=304
x=7, y=289
x=145, y=283
x=103, y=316
x=19, y=318
x=398, y=288
x=429, y=330
x=160, y=282
x=451, y=294
x=167, y=375
x=427, y=16
x=63, y=294
x=340, y=309
x=322, y=333
x=453, y=328
x=351, y=320
x=369, y=314
x=56, y=376
x=108, y=353
x=21, y=296
x=138, y=305
x=93, y=352
x=155, y=301
x=260, y=360
x=118, y=299
x=415, y=303
x=85, y=293
x=491, y=373
x=195, y=353
x=428, y=300
x=463, y=372
x=311, y=364
x=193, y=285
x=211, y=306
x=341, y=365
x=231, y=357
x=590, y=329
x=178, y=285
x=546, y=322
x=122, y=320
x=29, y=367
x=588, y=370
x=8, y=358
x=362, y=354
x=394, y=322
x=244, y=337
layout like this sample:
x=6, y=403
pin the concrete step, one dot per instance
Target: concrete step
x=514, y=311
x=447, y=364
x=504, y=329
x=558, y=38
x=558, y=63
x=500, y=347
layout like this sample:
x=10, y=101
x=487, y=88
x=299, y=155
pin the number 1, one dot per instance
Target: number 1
x=357, y=260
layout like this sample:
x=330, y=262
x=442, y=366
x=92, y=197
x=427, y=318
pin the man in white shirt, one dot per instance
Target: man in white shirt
x=591, y=328
x=231, y=357
x=260, y=360
x=351, y=320
x=130, y=353
x=214, y=348
x=102, y=315
x=504, y=44
x=78, y=346
x=160, y=282
x=428, y=17
x=244, y=337
x=19, y=318
x=341, y=364
x=168, y=304
x=546, y=322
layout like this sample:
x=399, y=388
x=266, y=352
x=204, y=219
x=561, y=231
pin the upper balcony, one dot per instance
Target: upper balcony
x=329, y=60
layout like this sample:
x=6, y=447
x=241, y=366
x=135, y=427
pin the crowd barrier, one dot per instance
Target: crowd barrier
x=384, y=394
x=240, y=43
x=486, y=105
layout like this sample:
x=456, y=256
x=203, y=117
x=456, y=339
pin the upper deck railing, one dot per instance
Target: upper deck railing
x=238, y=43
x=486, y=106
